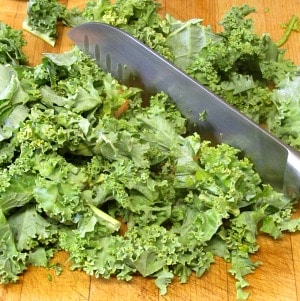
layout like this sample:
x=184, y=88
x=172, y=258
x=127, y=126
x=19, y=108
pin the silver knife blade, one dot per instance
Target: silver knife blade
x=135, y=64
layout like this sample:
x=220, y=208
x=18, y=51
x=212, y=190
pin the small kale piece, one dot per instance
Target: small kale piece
x=284, y=121
x=11, y=43
x=43, y=17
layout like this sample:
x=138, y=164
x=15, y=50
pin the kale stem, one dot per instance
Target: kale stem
x=110, y=222
x=290, y=27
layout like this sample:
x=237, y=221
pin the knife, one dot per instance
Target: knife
x=135, y=64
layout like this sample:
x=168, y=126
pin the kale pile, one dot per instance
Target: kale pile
x=79, y=154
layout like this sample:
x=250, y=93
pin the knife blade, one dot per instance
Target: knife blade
x=135, y=64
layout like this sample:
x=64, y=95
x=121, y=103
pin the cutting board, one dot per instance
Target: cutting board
x=279, y=276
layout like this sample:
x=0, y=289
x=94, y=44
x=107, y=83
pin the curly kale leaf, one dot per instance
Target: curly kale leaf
x=94, y=10
x=241, y=66
x=151, y=250
x=26, y=238
x=88, y=155
x=139, y=18
x=12, y=262
x=42, y=18
x=11, y=43
x=30, y=229
x=16, y=191
x=12, y=101
x=284, y=120
x=187, y=38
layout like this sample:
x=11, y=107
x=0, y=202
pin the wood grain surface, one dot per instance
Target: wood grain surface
x=279, y=276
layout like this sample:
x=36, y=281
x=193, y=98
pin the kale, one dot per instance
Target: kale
x=80, y=155
x=11, y=45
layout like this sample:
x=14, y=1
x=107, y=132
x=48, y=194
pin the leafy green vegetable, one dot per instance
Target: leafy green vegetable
x=12, y=99
x=240, y=66
x=42, y=17
x=30, y=229
x=12, y=262
x=138, y=17
x=80, y=155
x=77, y=170
x=284, y=120
x=11, y=43
x=236, y=64
x=187, y=39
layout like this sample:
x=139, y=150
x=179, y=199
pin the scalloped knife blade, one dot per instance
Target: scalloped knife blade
x=134, y=64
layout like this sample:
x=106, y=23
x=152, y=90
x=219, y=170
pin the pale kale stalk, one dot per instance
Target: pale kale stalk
x=292, y=25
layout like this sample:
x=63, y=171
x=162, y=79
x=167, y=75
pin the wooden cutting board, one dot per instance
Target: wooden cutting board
x=279, y=276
